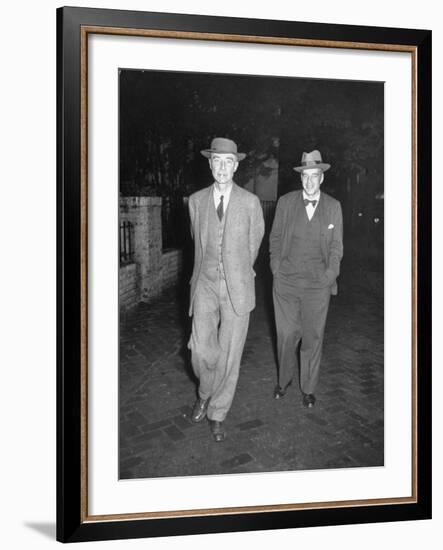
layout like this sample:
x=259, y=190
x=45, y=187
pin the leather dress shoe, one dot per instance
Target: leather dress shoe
x=280, y=392
x=217, y=430
x=308, y=400
x=199, y=410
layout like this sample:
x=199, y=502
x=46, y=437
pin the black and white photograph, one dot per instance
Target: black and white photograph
x=219, y=233
x=251, y=278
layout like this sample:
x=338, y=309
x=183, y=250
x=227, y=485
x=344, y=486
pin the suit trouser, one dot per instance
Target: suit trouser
x=300, y=314
x=217, y=341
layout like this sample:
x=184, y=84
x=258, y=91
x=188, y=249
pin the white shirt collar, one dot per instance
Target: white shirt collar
x=226, y=195
x=314, y=198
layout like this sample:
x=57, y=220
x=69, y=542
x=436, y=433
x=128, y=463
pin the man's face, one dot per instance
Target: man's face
x=311, y=179
x=223, y=166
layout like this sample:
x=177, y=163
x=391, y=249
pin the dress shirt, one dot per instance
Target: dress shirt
x=310, y=209
x=226, y=195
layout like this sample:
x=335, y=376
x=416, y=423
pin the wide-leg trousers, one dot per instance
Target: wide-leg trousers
x=217, y=341
x=300, y=314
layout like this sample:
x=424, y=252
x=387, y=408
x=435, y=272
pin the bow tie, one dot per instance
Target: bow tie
x=307, y=201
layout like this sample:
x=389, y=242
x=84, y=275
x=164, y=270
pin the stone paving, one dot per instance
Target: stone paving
x=157, y=389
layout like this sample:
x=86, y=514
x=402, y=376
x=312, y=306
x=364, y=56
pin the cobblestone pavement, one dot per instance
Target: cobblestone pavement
x=343, y=430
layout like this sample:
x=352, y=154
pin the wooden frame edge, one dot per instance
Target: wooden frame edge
x=85, y=30
x=187, y=35
x=84, y=275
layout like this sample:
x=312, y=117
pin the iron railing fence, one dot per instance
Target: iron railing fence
x=126, y=243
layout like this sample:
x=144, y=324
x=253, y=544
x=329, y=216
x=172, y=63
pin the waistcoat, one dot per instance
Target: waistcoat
x=304, y=261
x=212, y=267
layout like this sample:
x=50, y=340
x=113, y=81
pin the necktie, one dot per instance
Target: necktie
x=307, y=201
x=220, y=209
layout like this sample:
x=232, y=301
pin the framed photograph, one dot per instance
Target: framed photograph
x=244, y=274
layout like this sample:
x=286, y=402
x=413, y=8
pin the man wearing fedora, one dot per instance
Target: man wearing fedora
x=227, y=227
x=306, y=247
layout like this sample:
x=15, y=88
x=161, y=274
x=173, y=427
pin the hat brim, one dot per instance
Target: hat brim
x=207, y=153
x=323, y=166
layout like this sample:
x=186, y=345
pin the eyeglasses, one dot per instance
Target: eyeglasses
x=315, y=178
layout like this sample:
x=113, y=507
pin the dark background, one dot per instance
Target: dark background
x=166, y=118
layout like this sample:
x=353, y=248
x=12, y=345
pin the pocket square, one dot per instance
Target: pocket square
x=331, y=226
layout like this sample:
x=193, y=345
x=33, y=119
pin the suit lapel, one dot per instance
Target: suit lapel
x=322, y=212
x=232, y=211
x=296, y=208
x=289, y=218
x=322, y=217
x=204, y=217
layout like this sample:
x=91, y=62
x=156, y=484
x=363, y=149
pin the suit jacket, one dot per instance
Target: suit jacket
x=331, y=224
x=243, y=233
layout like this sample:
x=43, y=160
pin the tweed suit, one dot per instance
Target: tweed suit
x=222, y=291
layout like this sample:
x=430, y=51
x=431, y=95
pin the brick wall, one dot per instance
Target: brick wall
x=145, y=215
x=128, y=289
x=152, y=270
x=172, y=266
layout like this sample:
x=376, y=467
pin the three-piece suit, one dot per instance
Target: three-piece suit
x=305, y=261
x=222, y=290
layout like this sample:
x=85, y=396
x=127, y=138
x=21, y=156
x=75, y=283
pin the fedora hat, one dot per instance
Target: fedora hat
x=312, y=160
x=223, y=146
